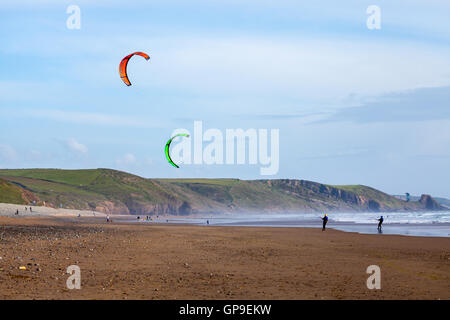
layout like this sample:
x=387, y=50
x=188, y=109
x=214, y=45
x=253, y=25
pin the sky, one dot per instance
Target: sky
x=353, y=105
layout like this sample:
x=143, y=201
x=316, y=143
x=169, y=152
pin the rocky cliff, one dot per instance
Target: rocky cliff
x=117, y=192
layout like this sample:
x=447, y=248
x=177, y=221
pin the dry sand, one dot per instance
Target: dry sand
x=147, y=261
x=7, y=209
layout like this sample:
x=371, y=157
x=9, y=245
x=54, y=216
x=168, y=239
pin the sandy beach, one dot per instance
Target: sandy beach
x=158, y=261
x=9, y=210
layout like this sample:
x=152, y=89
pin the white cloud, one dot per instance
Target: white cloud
x=299, y=67
x=89, y=118
x=412, y=105
x=75, y=146
x=319, y=69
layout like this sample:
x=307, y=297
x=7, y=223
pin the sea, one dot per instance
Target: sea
x=430, y=224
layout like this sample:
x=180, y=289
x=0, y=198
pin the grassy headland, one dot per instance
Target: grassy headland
x=113, y=191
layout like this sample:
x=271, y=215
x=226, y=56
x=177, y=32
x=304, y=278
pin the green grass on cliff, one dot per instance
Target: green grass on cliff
x=71, y=177
x=10, y=193
x=372, y=193
x=86, y=189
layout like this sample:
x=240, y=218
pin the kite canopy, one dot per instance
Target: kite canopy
x=166, y=150
x=124, y=63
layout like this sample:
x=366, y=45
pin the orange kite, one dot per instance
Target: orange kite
x=124, y=63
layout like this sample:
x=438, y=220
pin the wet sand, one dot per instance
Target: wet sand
x=159, y=261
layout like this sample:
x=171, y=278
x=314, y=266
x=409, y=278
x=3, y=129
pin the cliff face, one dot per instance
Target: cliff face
x=312, y=189
x=350, y=198
x=429, y=203
x=116, y=192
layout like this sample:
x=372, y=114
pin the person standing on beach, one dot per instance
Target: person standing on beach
x=325, y=220
x=107, y=218
x=380, y=223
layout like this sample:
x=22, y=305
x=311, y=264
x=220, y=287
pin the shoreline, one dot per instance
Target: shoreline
x=414, y=230
x=342, y=227
x=177, y=261
x=441, y=229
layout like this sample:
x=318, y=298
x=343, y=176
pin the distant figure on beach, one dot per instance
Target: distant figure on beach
x=107, y=218
x=325, y=220
x=79, y=214
x=17, y=212
x=207, y=222
x=31, y=210
x=380, y=223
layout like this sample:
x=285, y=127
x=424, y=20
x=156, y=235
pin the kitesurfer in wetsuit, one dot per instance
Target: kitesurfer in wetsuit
x=380, y=222
x=325, y=220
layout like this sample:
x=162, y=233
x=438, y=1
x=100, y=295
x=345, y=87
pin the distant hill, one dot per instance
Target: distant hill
x=442, y=201
x=117, y=192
